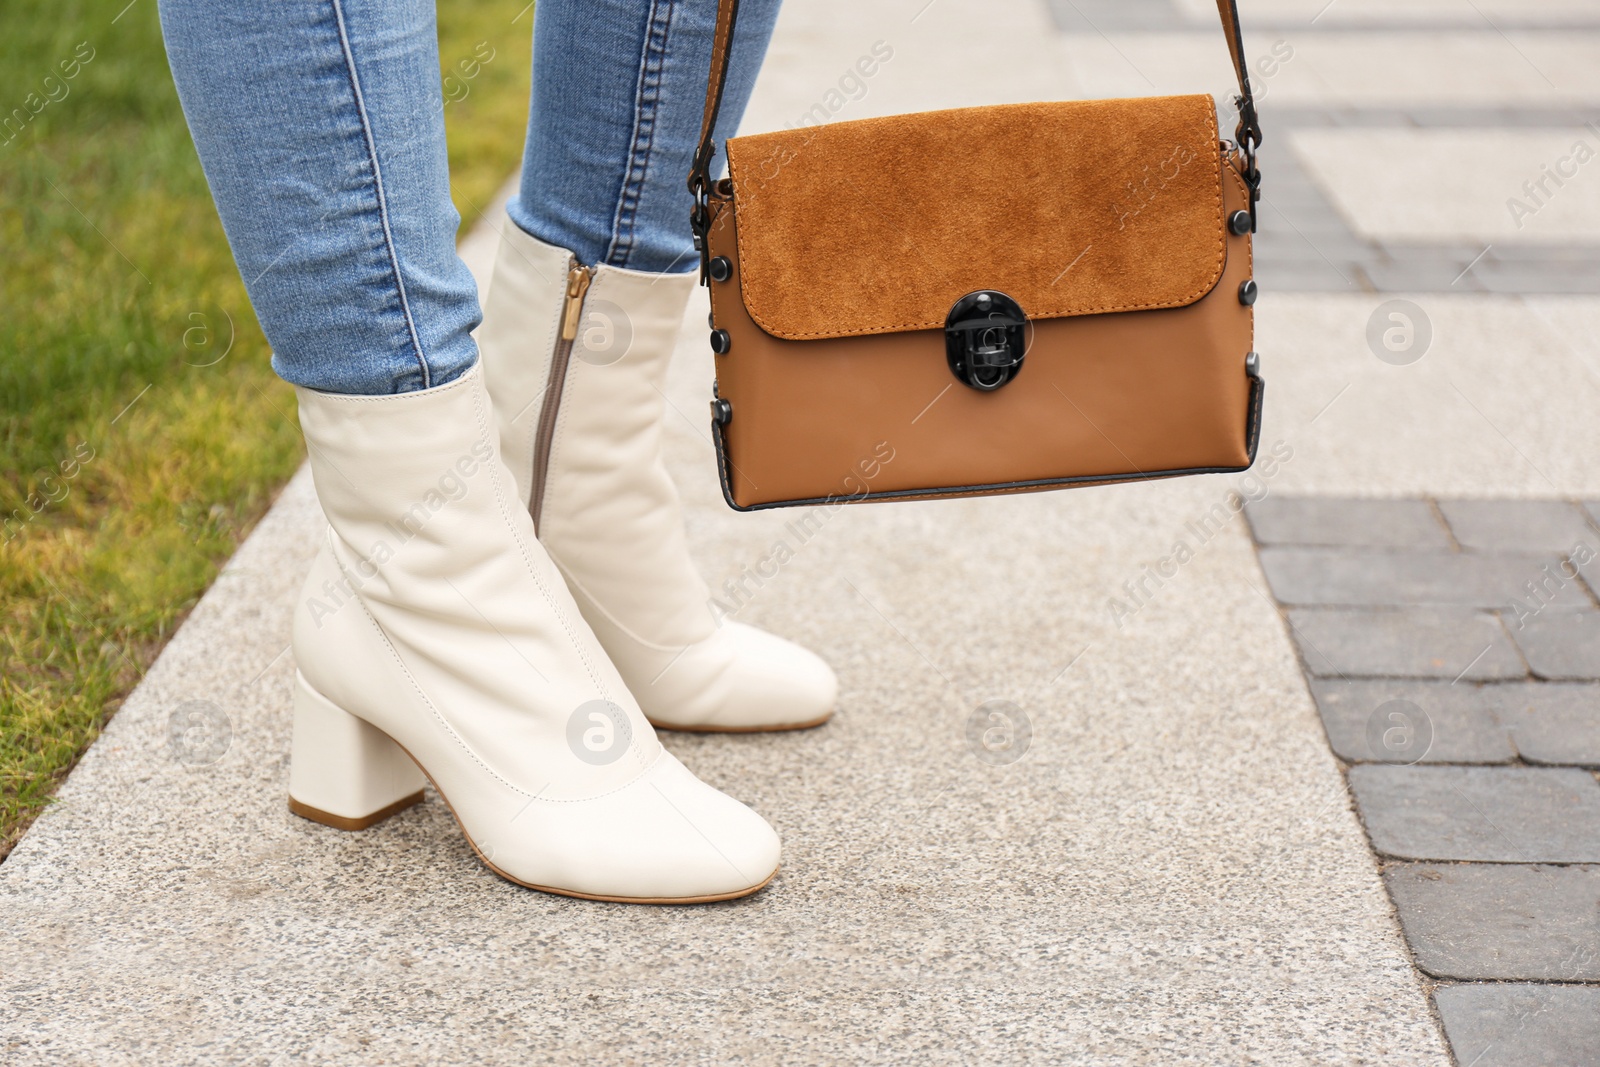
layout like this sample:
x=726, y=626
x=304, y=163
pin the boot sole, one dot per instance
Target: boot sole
x=776, y=728
x=340, y=822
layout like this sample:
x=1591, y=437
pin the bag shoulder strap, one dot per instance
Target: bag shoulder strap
x=1247, y=135
x=1248, y=127
x=716, y=81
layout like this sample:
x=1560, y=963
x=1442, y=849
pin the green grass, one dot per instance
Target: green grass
x=144, y=432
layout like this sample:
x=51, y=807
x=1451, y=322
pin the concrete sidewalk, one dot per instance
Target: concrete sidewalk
x=1163, y=867
x=1171, y=873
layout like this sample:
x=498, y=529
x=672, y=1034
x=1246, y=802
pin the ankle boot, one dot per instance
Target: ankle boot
x=435, y=633
x=576, y=360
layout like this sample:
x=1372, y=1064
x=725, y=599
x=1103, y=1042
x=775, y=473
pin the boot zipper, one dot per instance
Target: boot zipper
x=578, y=279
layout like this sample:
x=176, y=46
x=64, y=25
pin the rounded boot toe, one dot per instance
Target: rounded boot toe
x=772, y=684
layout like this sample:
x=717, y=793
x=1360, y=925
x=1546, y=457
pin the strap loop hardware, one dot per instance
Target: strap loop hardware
x=1248, y=137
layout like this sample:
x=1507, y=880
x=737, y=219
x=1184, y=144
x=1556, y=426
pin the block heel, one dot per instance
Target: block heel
x=344, y=772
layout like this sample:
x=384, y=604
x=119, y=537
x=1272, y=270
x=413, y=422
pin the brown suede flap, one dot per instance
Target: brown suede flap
x=1070, y=208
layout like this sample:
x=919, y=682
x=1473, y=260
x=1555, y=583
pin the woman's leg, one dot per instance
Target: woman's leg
x=320, y=127
x=618, y=89
x=432, y=627
x=582, y=316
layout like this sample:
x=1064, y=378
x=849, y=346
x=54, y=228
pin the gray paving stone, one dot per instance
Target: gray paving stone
x=1306, y=245
x=1439, y=273
x=1299, y=237
x=1298, y=213
x=1311, y=238
x=1541, y=253
x=1306, y=277
x=1342, y=577
x=1556, y=588
x=1518, y=525
x=1489, y=814
x=1403, y=252
x=1310, y=521
x=1390, y=721
x=1538, y=277
x=1509, y=1024
x=1554, y=723
x=1496, y=920
x=1314, y=219
x=1561, y=645
x=1549, y=722
x=1300, y=246
x=1593, y=508
x=1291, y=261
x=1448, y=643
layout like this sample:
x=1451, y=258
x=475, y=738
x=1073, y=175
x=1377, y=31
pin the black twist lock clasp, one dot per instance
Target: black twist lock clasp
x=985, y=338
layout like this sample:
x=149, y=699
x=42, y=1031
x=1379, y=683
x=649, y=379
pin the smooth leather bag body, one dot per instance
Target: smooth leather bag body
x=982, y=300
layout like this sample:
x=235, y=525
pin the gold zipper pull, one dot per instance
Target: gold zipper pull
x=578, y=279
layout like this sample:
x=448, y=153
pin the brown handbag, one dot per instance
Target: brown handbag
x=981, y=300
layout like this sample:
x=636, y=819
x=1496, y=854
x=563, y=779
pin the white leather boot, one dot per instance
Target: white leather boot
x=576, y=360
x=433, y=626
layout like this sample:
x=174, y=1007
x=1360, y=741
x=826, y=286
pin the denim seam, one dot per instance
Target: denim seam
x=647, y=100
x=383, y=200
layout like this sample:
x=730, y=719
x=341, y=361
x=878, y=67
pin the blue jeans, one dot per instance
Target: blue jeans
x=321, y=131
